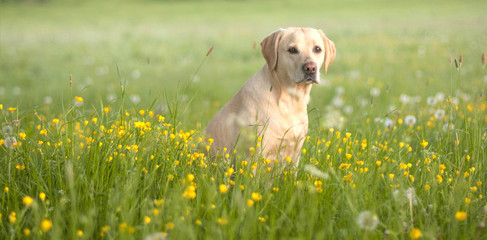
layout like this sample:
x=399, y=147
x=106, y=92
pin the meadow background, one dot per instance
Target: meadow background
x=103, y=104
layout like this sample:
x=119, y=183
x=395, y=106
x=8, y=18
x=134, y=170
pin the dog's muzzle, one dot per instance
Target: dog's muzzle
x=310, y=69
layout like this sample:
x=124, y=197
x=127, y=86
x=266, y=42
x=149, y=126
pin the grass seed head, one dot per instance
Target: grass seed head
x=209, y=51
x=484, y=60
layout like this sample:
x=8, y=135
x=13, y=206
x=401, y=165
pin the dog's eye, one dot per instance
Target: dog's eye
x=317, y=49
x=292, y=50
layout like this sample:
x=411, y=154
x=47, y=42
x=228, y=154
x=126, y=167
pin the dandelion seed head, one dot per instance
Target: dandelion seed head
x=404, y=98
x=440, y=96
x=341, y=90
x=111, y=97
x=362, y=102
x=10, y=142
x=7, y=130
x=431, y=101
x=135, y=98
x=388, y=123
x=410, y=120
x=337, y=101
x=375, y=92
x=410, y=195
x=367, y=220
x=47, y=100
x=348, y=109
x=439, y=114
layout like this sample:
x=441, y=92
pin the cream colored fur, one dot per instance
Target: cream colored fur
x=273, y=103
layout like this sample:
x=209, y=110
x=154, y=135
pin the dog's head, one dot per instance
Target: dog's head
x=297, y=54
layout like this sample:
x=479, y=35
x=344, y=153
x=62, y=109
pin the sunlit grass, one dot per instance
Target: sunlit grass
x=97, y=148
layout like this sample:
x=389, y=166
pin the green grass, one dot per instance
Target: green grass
x=110, y=171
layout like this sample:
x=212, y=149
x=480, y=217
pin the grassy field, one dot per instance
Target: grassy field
x=103, y=107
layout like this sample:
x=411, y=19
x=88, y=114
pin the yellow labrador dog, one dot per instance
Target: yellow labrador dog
x=273, y=103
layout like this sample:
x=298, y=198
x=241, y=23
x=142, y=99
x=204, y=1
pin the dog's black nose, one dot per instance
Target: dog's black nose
x=310, y=67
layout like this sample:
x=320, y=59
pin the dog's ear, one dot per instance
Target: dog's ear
x=330, y=50
x=269, y=47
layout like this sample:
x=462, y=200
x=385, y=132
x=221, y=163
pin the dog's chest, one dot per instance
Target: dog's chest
x=286, y=129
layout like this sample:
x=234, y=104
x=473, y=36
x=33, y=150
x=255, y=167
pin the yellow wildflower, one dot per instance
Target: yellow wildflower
x=43, y=132
x=27, y=201
x=424, y=143
x=256, y=196
x=415, y=233
x=223, y=188
x=170, y=225
x=46, y=225
x=78, y=99
x=461, y=216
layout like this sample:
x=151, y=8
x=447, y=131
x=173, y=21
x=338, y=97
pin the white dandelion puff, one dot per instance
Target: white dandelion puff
x=10, y=142
x=404, y=99
x=431, y=101
x=348, y=109
x=388, y=123
x=362, y=102
x=7, y=130
x=375, y=92
x=455, y=101
x=111, y=97
x=340, y=90
x=47, y=100
x=410, y=120
x=367, y=220
x=135, y=98
x=440, y=96
x=410, y=195
x=439, y=114
x=337, y=101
